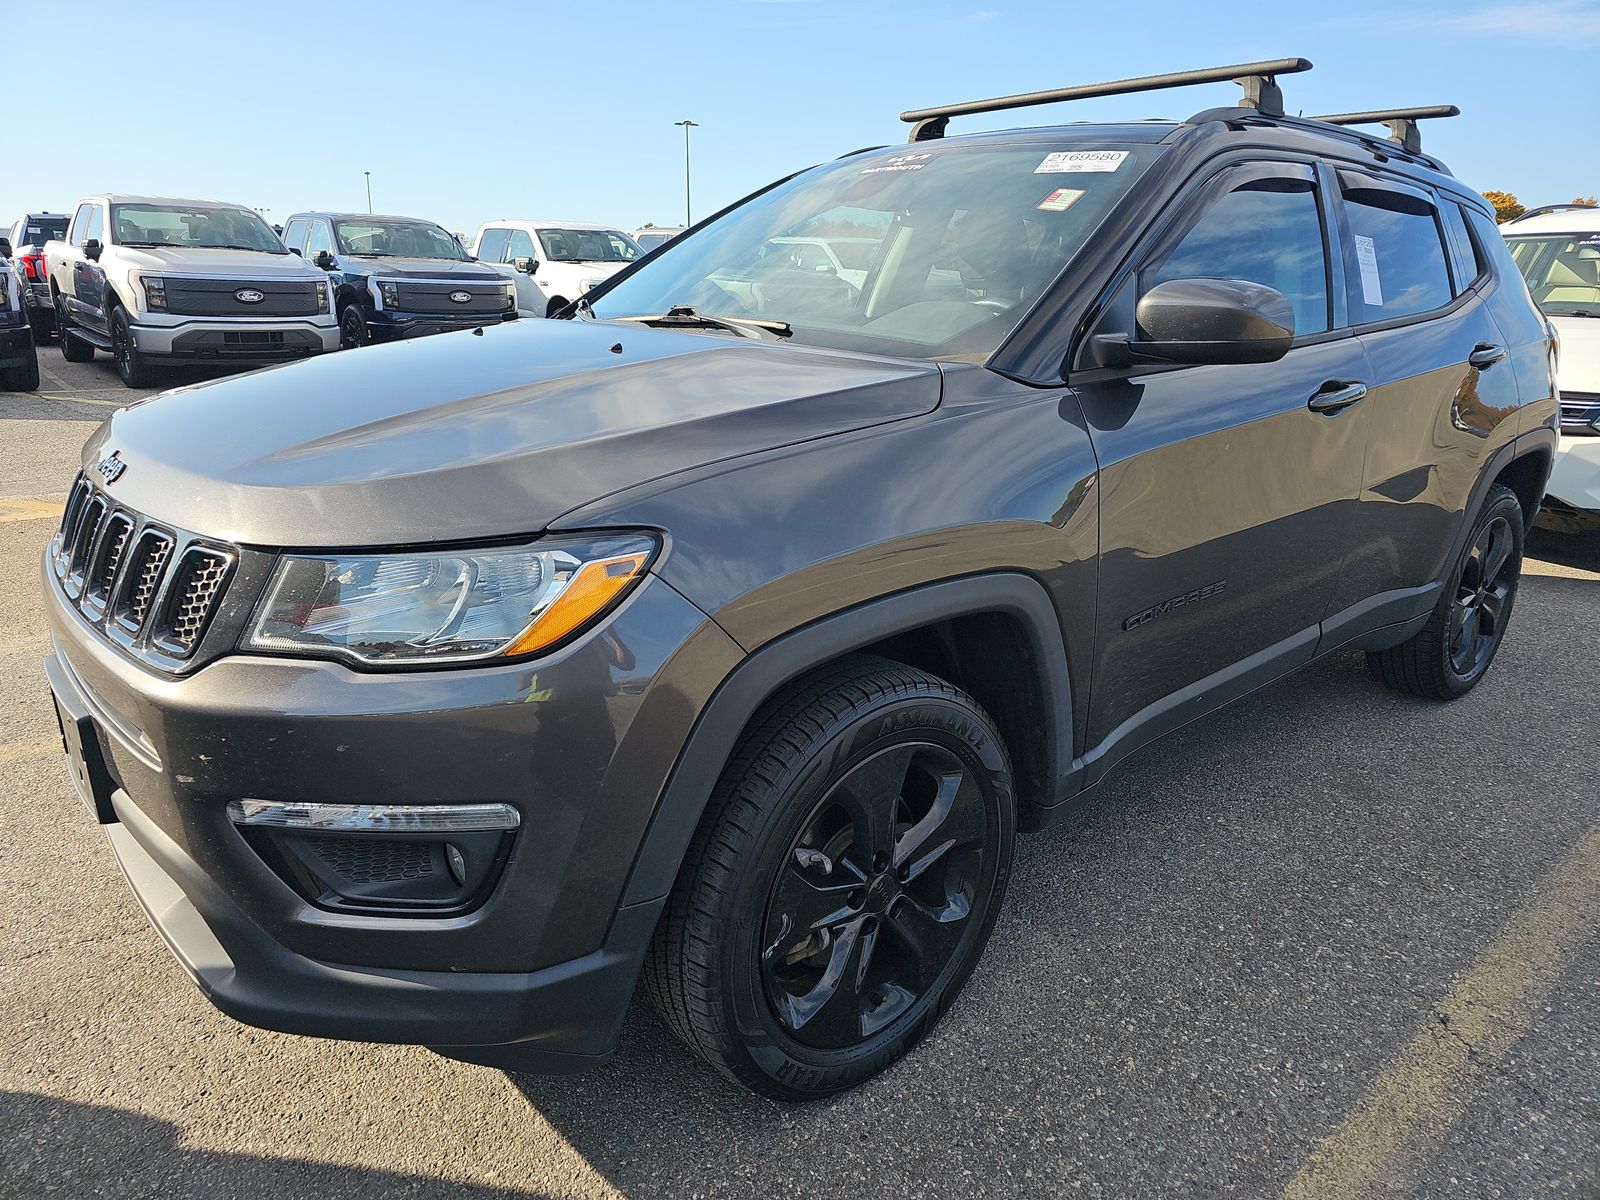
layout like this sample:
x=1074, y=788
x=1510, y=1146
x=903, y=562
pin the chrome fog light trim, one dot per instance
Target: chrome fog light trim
x=375, y=818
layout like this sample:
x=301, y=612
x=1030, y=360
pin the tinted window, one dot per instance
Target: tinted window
x=39, y=230
x=377, y=237
x=1463, y=262
x=492, y=245
x=1398, y=259
x=1267, y=231
x=521, y=246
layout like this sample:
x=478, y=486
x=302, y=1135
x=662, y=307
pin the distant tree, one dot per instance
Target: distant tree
x=1586, y=201
x=1506, y=206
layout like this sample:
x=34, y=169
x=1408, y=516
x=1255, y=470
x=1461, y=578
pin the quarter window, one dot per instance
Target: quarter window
x=1398, y=264
x=1266, y=231
x=492, y=245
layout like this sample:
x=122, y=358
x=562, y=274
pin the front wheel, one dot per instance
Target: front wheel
x=132, y=368
x=1451, y=653
x=353, y=330
x=842, y=884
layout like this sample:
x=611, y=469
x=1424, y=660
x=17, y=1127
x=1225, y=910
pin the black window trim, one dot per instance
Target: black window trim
x=1422, y=191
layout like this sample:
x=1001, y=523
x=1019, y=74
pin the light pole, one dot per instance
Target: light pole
x=368, y=174
x=688, y=216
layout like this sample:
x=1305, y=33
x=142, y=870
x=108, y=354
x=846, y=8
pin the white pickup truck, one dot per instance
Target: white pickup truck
x=155, y=280
x=553, y=262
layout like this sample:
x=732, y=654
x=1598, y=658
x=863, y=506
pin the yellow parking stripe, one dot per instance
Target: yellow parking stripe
x=18, y=751
x=1403, y=1118
x=15, y=509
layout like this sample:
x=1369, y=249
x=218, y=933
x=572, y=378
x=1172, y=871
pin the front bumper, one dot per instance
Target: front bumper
x=387, y=325
x=203, y=339
x=1575, y=478
x=541, y=974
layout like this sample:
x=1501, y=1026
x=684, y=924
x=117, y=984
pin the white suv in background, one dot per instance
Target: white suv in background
x=155, y=280
x=1557, y=249
x=553, y=262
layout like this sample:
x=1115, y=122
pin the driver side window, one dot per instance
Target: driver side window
x=1266, y=231
x=521, y=246
x=319, y=239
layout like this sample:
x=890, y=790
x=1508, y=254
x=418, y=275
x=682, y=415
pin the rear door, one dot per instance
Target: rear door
x=1444, y=394
x=1226, y=497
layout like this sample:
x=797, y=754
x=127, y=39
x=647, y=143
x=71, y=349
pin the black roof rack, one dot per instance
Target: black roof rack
x=1259, y=80
x=1546, y=208
x=1402, y=122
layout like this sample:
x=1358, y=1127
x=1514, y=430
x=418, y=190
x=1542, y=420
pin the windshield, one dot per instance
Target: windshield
x=193, y=225
x=927, y=251
x=1562, y=270
x=396, y=239
x=588, y=245
x=40, y=230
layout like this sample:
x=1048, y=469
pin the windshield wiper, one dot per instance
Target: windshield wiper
x=257, y=249
x=681, y=316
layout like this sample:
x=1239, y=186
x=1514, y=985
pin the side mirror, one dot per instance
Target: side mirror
x=324, y=260
x=526, y=265
x=91, y=249
x=1203, y=321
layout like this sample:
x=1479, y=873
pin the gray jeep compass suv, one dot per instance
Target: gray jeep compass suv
x=729, y=628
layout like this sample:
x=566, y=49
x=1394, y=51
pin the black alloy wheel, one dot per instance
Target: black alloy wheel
x=131, y=366
x=1483, y=597
x=353, y=331
x=842, y=883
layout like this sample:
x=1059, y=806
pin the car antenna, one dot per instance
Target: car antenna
x=1259, y=80
x=1402, y=122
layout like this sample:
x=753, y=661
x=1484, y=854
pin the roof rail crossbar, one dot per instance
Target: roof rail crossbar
x=1259, y=80
x=1402, y=122
x=1546, y=208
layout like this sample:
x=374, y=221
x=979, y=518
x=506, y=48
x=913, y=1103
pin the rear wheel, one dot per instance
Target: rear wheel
x=1454, y=649
x=73, y=348
x=842, y=884
x=132, y=368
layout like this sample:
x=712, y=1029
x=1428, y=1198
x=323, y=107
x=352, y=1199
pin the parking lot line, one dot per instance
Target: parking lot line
x=1405, y=1115
x=18, y=751
x=15, y=508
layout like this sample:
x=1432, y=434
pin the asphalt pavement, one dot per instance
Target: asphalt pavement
x=1331, y=942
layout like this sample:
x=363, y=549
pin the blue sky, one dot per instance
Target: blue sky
x=471, y=111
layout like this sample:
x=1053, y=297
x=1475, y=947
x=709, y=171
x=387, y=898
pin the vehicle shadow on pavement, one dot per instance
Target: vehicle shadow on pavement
x=1581, y=550
x=64, y=1149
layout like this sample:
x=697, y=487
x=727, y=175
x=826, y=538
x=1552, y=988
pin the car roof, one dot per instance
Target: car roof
x=351, y=216
x=1575, y=219
x=554, y=224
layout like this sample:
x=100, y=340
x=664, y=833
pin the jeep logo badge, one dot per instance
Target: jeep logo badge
x=111, y=467
x=248, y=296
x=461, y=297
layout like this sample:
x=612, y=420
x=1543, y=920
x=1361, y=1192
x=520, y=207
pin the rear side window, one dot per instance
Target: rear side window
x=1399, y=266
x=492, y=245
x=1463, y=262
x=1267, y=231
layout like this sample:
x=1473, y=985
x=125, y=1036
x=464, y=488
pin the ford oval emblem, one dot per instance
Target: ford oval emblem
x=249, y=296
x=461, y=297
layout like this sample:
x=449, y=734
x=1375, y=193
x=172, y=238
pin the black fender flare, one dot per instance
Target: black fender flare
x=763, y=673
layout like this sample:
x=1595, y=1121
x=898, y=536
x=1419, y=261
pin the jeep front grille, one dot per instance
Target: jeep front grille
x=148, y=588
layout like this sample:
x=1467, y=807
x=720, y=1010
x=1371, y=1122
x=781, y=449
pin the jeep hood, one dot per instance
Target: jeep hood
x=478, y=435
x=233, y=264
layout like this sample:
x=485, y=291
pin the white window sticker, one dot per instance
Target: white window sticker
x=1065, y=161
x=1060, y=200
x=899, y=162
x=1367, y=258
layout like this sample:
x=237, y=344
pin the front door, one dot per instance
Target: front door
x=1227, y=492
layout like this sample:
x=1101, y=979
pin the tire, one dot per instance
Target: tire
x=73, y=348
x=1452, y=652
x=23, y=377
x=353, y=330
x=812, y=863
x=132, y=368
x=557, y=303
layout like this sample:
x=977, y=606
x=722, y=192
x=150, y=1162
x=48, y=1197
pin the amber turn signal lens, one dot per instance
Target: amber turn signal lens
x=594, y=587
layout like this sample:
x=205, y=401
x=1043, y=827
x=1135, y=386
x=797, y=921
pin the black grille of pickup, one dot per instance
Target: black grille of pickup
x=188, y=297
x=1580, y=413
x=147, y=588
x=435, y=298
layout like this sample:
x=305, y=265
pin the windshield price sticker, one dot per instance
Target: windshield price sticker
x=1064, y=161
x=899, y=162
x=1367, y=259
x=1060, y=200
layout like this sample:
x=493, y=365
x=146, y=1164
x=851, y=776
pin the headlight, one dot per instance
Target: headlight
x=587, y=284
x=508, y=295
x=446, y=606
x=325, y=297
x=389, y=291
x=155, y=293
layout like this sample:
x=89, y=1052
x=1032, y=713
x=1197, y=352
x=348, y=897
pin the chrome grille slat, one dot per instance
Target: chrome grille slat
x=200, y=575
x=105, y=559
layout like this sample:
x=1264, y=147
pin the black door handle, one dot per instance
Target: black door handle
x=1484, y=355
x=1336, y=394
